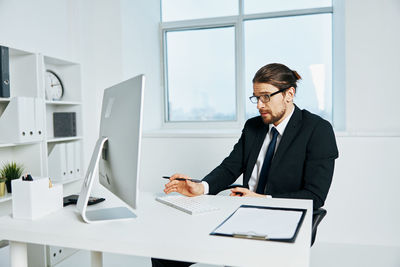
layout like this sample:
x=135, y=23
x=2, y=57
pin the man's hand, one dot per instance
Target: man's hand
x=187, y=188
x=244, y=192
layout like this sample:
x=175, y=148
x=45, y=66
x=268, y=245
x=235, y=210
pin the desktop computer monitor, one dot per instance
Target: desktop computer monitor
x=117, y=151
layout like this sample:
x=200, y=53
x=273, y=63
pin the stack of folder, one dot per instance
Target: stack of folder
x=23, y=120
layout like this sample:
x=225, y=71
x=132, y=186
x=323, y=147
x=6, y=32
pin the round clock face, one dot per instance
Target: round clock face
x=54, y=86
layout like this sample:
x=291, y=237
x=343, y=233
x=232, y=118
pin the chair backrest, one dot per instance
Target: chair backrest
x=3, y=243
x=318, y=215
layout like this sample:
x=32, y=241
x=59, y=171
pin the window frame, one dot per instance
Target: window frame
x=237, y=22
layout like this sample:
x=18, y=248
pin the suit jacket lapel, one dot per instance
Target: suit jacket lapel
x=290, y=133
x=255, y=150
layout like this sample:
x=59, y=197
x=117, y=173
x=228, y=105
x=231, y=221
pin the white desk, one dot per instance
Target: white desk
x=162, y=232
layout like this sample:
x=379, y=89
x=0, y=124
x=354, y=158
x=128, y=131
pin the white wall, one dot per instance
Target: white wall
x=120, y=39
x=141, y=52
x=101, y=59
x=372, y=65
x=362, y=204
x=115, y=40
x=45, y=26
x=194, y=156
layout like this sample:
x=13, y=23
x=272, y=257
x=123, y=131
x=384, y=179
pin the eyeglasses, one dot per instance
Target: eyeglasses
x=264, y=98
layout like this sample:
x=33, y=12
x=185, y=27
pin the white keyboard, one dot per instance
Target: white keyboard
x=191, y=205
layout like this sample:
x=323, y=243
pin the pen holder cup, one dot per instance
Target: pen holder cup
x=34, y=199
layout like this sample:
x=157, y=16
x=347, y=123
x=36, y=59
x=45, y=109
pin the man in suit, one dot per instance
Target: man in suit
x=285, y=152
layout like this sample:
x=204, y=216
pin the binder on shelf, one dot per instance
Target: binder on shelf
x=262, y=223
x=39, y=117
x=27, y=118
x=21, y=119
x=65, y=161
x=70, y=153
x=4, y=72
x=58, y=163
x=77, y=159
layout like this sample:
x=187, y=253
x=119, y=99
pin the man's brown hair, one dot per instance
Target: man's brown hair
x=277, y=75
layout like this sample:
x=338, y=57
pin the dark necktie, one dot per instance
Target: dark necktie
x=262, y=181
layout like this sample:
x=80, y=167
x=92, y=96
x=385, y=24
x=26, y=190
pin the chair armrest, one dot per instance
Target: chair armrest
x=3, y=243
x=318, y=215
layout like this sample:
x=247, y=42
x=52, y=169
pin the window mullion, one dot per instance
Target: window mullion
x=288, y=13
x=199, y=23
x=165, y=74
x=240, y=68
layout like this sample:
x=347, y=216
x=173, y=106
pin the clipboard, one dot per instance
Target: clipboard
x=262, y=223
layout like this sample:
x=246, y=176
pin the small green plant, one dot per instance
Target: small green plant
x=11, y=171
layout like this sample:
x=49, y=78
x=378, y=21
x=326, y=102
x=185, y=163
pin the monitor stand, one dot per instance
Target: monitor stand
x=98, y=215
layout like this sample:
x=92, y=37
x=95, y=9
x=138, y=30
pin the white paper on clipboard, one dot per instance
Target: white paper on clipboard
x=261, y=222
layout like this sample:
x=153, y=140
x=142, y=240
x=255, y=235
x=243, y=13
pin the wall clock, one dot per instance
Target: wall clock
x=54, y=86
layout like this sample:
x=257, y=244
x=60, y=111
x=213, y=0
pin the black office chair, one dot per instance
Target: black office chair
x=3, y=243
x=318, y=215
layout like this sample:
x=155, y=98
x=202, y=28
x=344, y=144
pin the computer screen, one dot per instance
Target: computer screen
x=117, y=150
x=121, y=124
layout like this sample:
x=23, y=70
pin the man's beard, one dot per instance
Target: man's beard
x=274, y=117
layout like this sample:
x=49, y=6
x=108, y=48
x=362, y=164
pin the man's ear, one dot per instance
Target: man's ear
x=290, y=94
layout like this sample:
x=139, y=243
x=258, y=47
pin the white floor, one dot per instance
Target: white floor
x=322, y=254
x=351, y=255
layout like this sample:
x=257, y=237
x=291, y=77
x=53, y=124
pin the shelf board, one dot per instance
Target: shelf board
x=60, y=103
x=4, y=100
x=7, y=145
x=67, y=181
x=14, y=52
x=18, y=144
x=6, y=197
x=64, y=139
x=57, y=61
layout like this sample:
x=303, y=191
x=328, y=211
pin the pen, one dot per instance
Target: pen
x=183, y=179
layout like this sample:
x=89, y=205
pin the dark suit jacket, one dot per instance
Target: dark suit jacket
x=302, y=166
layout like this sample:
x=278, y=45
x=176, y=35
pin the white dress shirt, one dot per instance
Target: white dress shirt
x=257, y=167
x=255, y=175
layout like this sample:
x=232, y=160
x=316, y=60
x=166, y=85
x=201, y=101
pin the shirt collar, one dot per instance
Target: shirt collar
x=282, y=126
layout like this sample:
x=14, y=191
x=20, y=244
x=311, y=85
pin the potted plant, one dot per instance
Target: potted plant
x=11, y=171
x=2, y=186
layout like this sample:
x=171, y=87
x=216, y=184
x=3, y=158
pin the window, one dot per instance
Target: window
x=201, y=75
x=213, y=48
x=303, y=43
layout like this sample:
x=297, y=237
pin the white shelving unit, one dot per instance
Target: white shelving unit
x=64, y=139
x=60, y=103
x=27, y=79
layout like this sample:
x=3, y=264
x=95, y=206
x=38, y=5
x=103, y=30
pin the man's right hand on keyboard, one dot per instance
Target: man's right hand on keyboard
x=186, y=188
